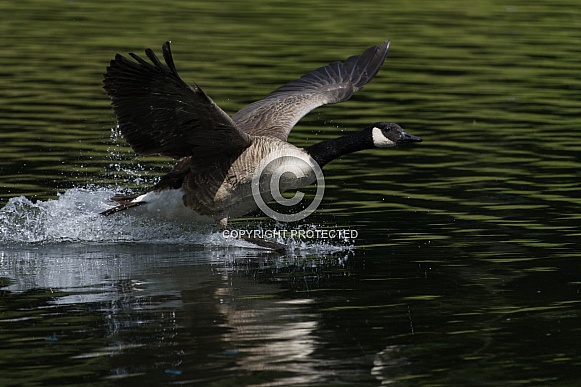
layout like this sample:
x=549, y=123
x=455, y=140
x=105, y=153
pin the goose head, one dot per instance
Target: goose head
x=389, y=134
x=378, y=135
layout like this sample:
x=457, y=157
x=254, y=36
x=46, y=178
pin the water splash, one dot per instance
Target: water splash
x=123, y=165
x=74, y=217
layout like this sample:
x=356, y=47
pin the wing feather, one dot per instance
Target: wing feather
x=278, y=112
x=159, y=113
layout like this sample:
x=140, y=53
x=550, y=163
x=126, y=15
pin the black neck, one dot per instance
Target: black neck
x=326, y=151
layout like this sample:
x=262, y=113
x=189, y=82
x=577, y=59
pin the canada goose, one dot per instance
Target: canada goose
x=159, y=113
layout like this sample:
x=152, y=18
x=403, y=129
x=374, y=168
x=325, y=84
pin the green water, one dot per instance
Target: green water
x=466, y=266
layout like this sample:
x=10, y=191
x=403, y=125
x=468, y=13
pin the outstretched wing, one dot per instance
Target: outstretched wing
x=158, y=112
x=278, y=113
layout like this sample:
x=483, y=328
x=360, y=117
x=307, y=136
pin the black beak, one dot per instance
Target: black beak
x=408, y=138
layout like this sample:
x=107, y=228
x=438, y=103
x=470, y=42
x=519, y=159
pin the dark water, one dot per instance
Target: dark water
x=465, y=269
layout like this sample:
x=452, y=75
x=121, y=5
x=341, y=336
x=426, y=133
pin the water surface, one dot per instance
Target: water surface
x=465, y=270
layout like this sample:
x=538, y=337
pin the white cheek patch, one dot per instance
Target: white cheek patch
x=379, y=140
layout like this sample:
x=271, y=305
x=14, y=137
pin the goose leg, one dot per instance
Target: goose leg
x=275, y=246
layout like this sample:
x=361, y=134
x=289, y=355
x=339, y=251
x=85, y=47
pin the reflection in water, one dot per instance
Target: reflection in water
x=186, y=304
x=271, y=334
